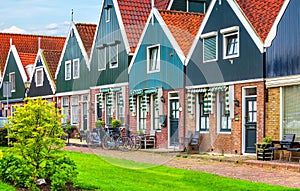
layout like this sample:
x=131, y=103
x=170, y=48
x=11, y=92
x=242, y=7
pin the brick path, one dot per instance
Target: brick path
x=254, y=173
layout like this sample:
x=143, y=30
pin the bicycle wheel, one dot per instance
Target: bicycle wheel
x=124, y=144
x=107, y=143
x=136, y=142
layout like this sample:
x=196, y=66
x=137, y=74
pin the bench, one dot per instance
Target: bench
x=148, y=140
x=194, y=144
x=187, y=140
x=285, y=144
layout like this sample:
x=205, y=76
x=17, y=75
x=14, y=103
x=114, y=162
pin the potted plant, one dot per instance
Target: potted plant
x=116, y=123
x=262, y=149
x=141, y=132
x=99, y=123
x=69, y=129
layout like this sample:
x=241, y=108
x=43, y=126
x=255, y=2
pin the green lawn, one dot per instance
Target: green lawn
x=96, y=173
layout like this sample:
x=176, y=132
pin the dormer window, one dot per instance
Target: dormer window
x=231, y=43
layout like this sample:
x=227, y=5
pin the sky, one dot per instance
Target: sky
x=46, y=17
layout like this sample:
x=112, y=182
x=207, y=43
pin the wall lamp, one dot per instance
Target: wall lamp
x=162, y=99
x=236, y=102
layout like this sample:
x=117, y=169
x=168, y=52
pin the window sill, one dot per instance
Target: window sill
x=231, y=57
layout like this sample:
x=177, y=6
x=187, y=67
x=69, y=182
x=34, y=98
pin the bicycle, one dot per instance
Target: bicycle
x=111, y=140
x=128, y=143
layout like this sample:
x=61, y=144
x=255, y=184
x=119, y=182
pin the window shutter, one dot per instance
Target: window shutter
x=191, y=103
x=100, y=100
x=210, y=48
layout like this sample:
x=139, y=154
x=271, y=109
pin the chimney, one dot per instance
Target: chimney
x=10, y=41
x=152, y=3
x=39, y=43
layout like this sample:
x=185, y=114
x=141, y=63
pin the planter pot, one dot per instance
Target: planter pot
x=263, y=152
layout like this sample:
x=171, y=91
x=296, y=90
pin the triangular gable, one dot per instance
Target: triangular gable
x=80, y=44
x=155, y=13
x=239, y=13
x=16, y=56
x=45, y=67
x=86, y=33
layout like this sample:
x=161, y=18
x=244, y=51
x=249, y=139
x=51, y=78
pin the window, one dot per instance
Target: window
x=39, y=77
x=210, y=49
x=230, y=42
x=155, y=112
x=203, y=116
x=12, y=80
x=76, y=72
x=224, y=114
x=101, y=58
x=99, y=101
x=68, y=70
x=109, y=107
x=196, y=6
x=74, y=102
x=291, y=110
x=65, y=111
x=113, y=56
x=142, y=113
x=120, y=107
x=108, y=13
x=153, y=59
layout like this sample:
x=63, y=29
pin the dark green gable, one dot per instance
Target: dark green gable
x=249, y=64
x=12, y=66
x=72, y=51
x=171, y=71
x=108, y=35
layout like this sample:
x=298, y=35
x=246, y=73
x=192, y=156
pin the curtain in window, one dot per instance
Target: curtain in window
x=153, y=58
x=209, y=48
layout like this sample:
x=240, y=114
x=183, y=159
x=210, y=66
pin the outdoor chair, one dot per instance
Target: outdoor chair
x=194, y=144
x=285, y=144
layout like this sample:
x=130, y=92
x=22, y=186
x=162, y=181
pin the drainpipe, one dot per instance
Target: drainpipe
x=184, y=99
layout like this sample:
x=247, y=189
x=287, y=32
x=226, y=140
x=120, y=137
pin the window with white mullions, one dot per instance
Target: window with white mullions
x=76, y=69
x=252, y=109
x=12, y=80
x=225, y=121
x=113, y=56
x=203, y=116
x=65, y=111
x=232, y=45
x=120, y=107
x=68, y=70
x=142, y=113
x=155, y=112
x=74, y=102
x=39, y=77
x=153, y=59
x=101, y=58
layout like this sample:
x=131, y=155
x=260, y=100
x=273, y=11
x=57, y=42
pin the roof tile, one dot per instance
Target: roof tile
x=87, y=33
x=184, y=27
x=52, y=57
x=261, y=14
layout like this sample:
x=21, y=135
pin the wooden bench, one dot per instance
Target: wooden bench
x=187, y=140
x=148, y=141
x=194, y=144
x=285, y=144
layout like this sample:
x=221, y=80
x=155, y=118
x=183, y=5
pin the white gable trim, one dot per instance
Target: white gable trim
x=155, y=12
x=80, y=43
x=199, y=33
x=122, y=27
x=239, y=13
x=46, y=69
x=64, y=49
x=170, y=4
x=18, y=62
x=140, y=40
x=273, y=31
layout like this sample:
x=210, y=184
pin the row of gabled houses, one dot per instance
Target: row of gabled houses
x=227, y=68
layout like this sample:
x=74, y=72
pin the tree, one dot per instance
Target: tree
x=35, y=129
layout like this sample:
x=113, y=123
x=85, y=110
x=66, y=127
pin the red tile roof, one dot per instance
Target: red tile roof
x=52, y=57
x=27, y=45
x=87, y=33
x=261, y=14
x=134, y=15
x=184, y=26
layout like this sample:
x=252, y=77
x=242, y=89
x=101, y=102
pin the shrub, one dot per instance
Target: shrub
x=36, y=152
x=3, y=138
x=99, y=123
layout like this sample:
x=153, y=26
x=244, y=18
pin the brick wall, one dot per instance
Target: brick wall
x=273, y=114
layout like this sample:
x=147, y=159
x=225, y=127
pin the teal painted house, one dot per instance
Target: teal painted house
x=19, y=65
x=156, y=75
x=73, y=75
x=225, y=76
x=119, y=28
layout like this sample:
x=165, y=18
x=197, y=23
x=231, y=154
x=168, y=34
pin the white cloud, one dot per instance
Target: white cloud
x=52, y=26
x=14, y=29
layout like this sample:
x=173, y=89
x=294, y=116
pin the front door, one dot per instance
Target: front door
x=174, y=119
x=250, y=125
x=84, y=115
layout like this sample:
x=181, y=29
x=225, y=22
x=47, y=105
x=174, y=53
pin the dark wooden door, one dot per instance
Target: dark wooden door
x=250, y=125
x=174, y=120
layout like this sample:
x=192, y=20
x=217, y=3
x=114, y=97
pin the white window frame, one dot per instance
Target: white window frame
x=138, y=98
x=110, y=56
x=219, y=116
x=99, y=59
x=107, y=14
x=66, y=72
x=226, y=34
x=74, y=68
x=149, y=70
x=65, y=111
x=12, y=80
x=206, y=36
x=37, y=76
x=152, y=101
x=74, y=110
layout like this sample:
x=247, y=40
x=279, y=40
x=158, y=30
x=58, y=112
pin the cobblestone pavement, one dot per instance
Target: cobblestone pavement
x=227, y=169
